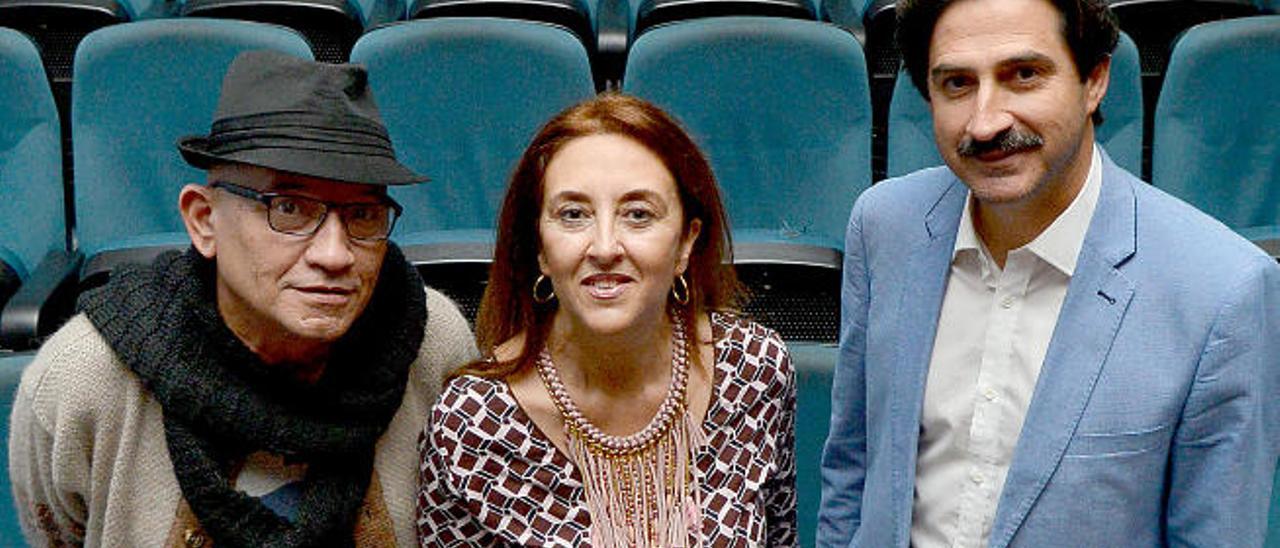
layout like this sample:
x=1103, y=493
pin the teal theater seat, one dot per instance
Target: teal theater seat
x=139, y=87
x=32, y=212
x=815, y=365
x=330, y=26
x=620, y=22
x=11, y=366
x=462, y=97
x=57, y=27
x=846, y=13
x=577, y=16
x=781, y=108
x=1216, y=140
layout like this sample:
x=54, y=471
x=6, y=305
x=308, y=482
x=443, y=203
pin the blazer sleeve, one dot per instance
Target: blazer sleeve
x=844, y=457
x=1226, y=444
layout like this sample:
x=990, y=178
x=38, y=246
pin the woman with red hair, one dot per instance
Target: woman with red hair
x=623, y=402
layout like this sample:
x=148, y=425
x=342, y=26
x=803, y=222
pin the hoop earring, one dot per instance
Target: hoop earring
x=551, y=293
x=680, y=290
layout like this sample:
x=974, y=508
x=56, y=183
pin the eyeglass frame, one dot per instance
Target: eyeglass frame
x=265, y=199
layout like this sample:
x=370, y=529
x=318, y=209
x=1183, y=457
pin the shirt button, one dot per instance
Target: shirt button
x=990, y=394
x=1007, y=302
x=976, y=478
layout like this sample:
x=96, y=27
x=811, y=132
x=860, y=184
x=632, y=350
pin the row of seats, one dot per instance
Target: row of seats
x=814, y=364
x=606, y=28
x=781, y=106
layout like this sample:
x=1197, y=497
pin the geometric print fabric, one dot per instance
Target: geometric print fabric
x=490, y=477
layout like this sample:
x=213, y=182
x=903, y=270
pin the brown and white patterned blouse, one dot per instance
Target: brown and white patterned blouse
x=490, y=477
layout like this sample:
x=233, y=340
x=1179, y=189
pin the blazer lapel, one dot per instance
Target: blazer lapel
x=928, y=266
x=1095, y=304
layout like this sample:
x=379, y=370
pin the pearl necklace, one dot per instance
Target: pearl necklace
x=672, y=406
x=641, y=489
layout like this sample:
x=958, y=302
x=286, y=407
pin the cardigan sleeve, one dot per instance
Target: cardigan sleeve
x=49, y=452
x=448, y=344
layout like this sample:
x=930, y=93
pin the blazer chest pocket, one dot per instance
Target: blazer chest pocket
x=1117, y=444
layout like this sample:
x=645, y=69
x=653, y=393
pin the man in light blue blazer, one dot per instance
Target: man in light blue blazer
x=1037, y=348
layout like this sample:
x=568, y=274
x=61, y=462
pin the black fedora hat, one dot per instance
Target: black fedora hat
x=309, y=118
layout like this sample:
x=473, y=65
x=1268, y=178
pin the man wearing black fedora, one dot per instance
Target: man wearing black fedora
x=267, y=386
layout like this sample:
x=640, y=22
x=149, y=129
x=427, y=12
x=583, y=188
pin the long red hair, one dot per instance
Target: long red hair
x=508, y=309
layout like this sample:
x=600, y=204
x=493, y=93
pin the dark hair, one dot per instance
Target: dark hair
x=508, y=309
x=1089, y=27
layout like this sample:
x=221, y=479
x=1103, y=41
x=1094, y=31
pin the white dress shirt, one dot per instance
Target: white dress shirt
x=993, y=331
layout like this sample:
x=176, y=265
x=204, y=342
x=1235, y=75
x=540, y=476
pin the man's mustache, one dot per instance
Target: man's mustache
x=1008, y=141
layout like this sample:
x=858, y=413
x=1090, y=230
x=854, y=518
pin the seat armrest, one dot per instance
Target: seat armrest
x=613, y=39
x=44, y=301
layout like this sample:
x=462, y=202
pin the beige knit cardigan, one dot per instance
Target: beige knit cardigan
x=90, y=465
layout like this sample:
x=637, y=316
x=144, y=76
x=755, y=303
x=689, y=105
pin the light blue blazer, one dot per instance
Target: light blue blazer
x=1156, y=415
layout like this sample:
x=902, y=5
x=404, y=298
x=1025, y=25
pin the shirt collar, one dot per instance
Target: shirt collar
x=1059, y=245
x=968, y=243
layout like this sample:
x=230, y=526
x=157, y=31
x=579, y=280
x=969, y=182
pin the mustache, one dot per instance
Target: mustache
x=1008, y=141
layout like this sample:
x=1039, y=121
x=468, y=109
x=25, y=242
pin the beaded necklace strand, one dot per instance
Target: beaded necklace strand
x=641, y=489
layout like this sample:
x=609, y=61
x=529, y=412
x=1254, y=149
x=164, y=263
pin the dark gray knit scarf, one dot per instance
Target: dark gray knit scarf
x=221, y=402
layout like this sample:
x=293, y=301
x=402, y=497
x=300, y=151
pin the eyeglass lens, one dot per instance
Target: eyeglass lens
x=298, y=215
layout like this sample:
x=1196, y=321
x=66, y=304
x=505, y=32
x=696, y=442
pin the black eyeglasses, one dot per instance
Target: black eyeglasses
x=302, y=216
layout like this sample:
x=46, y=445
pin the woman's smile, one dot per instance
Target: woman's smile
x=606, y=286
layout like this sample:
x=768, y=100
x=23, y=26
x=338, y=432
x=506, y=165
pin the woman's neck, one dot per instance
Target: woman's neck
x=616, y=364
